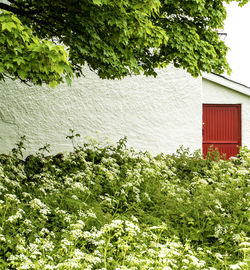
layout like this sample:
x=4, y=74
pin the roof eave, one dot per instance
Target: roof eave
x=227, y=83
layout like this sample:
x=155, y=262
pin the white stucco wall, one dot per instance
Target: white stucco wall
x=156, y=114
x=214, y=93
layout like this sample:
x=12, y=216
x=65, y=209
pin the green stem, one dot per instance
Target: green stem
x=105, y=253
x=6, y=209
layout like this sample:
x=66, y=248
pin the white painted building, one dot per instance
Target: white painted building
x=156, y=114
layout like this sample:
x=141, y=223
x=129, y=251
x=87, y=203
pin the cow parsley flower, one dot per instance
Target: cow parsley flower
x=12, y=197
x=234, y=266
x=90, y=213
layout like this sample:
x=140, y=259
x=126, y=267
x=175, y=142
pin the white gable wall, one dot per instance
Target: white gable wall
x=156, y=114
x=214, y=93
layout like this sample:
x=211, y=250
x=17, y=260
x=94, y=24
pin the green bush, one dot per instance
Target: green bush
x=113, y=208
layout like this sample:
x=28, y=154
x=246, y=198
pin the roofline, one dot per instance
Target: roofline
x=241, y=88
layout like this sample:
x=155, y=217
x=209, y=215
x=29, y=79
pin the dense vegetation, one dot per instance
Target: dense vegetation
x=112, y=208
x=114, y=38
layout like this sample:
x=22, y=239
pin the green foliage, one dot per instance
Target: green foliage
x=115, y=38
x=25, y=56
x=110, y=207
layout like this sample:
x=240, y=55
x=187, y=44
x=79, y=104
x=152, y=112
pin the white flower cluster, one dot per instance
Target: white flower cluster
x=12, y=198
x=36, y=204
x=105, y=214
x=14, y=218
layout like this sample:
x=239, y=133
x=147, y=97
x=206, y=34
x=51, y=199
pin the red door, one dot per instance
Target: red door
x=222, y=128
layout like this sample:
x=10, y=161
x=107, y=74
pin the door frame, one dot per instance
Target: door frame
x=239, y=109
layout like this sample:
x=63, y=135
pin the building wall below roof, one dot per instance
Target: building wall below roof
x=214, y=93
x=156, y=114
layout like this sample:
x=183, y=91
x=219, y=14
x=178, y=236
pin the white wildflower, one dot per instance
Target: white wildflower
x=244, y=244
x=17, y=216
x=67, y=218
x=44, y=231
x=81, y=213
x=47, y=245
x=236, y=237
x=134, y=219
x=218, y=256
x=11, y=197
x=78, y=254
x=90, y=213
x=37, y=204
x=2, y=188
x=79, y=186
x=27, y=222
x=76, y=233
x=131, y=228
x=234, y=266
x=74, y=197
x=2, y=238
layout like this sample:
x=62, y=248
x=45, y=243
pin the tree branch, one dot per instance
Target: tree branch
x=17, y=11
x=16, y=77
x=13, y=2
x=7, y=7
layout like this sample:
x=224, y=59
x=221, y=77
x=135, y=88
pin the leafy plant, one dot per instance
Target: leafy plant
x=28, y=58
x=111, y=207
x=18, y=150
x=114, y=38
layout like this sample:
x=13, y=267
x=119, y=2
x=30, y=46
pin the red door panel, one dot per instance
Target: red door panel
x=222, y=128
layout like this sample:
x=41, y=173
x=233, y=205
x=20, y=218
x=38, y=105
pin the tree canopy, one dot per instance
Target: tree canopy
x=44, y=41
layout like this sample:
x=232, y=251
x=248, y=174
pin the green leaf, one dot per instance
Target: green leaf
x=7, y=25
x=114, y=38
x=98, y=2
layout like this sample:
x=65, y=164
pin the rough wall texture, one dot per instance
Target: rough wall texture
x=214, y=93
x=156, y=114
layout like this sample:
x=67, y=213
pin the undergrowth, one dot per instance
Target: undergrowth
x=113, y=208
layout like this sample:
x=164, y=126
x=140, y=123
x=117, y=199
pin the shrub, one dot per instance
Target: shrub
x=113, y=208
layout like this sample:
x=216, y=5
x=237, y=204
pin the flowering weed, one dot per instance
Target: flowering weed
x=112, y=208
